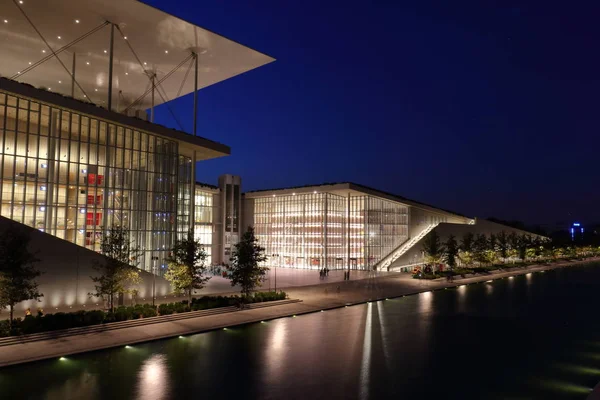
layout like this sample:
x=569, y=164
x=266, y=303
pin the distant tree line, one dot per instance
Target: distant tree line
x=478, y=251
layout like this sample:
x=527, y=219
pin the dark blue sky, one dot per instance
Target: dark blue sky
x=482, y=107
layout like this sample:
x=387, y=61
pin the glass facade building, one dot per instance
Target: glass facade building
x=74, y=176
x=316, y=230
x=204, y=224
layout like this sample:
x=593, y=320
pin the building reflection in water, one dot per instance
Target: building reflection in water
x=153, y=378
x=365, y=366
x=275, y=353
x=82, y=385
x=382, y=329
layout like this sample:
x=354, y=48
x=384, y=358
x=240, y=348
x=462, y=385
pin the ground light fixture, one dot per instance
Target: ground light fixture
x=127, y=347
x=62, y=359
x=224, y=329
x=262, y=322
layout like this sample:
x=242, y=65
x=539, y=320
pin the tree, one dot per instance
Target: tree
x=186, y=266
x=433, y=248
x=502, y=242
x=480, y=248
x=466, y=249
x=17, y=271
x=245, y=269
x=451, y=251
x=522, y=245
x=118, y=272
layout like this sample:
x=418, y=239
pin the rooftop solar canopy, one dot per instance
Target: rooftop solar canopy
x=160, y=41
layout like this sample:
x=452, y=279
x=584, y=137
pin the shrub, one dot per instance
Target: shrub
x=94, y=317
x=4, y=330
x=123, y=313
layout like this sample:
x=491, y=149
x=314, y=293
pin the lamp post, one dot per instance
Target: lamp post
x=275, y=267
x=154, y=259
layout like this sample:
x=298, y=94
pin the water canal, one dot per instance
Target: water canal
x=528, y=337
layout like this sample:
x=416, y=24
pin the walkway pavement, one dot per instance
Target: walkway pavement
x=217, y=285
x=314, y=298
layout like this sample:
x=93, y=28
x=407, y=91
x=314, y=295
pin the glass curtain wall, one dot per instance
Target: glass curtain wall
x=323, y=229
x=386, y=227
x=203, y=221
x=75, y=176
x=302, y=231
x=184, y=196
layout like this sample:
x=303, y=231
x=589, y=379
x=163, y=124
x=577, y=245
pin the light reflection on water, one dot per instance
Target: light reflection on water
x=153, y=378
x=360, y=352
x=365, y=367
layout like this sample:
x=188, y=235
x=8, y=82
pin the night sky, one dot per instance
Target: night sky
x=481, y=107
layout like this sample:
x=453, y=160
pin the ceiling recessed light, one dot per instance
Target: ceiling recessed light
x=95, y=90
x=59, y=81
x=58, y=37
x=6, y=21
x=84, y=95
x=18, y=72
x=87, y=63
x=125, y=37
x=29, y=62
x=166, y=51
x=20, y=1
x=144, y=62
x=49, y=88
x=126, y=73
x=76, y=21
x=105, y=52
x=43, y=51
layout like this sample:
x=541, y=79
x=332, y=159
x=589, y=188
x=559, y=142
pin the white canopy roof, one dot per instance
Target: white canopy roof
x=161, y=42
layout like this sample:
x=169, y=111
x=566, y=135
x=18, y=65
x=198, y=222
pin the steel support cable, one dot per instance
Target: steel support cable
x=169, y=106
x=161, y=80
x=185, y=77
x=144, y=69
x=60, y=50
x=53, y=52
x=154, y=84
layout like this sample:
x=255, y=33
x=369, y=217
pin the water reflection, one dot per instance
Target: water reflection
x=81, y=386
x=425, y=301
x=365, y=366
x=275, y=351
x=461, y=298
x=382, y=327
x=153, y=378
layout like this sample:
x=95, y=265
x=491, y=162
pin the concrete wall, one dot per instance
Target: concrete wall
x=67, y=268
x=420, y=218
x=444, y=230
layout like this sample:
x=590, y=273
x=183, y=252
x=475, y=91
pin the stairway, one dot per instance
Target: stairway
x=399, y=251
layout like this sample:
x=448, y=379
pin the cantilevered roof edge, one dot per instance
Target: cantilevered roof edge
x=45, y=96
x=364, y=189
x=273, y=59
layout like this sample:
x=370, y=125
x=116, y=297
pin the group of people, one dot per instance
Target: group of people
x=323, y=272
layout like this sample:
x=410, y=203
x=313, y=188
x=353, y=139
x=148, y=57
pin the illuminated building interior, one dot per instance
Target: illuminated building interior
x=317, y=230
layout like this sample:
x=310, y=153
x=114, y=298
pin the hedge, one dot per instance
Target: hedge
x=51, y=322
